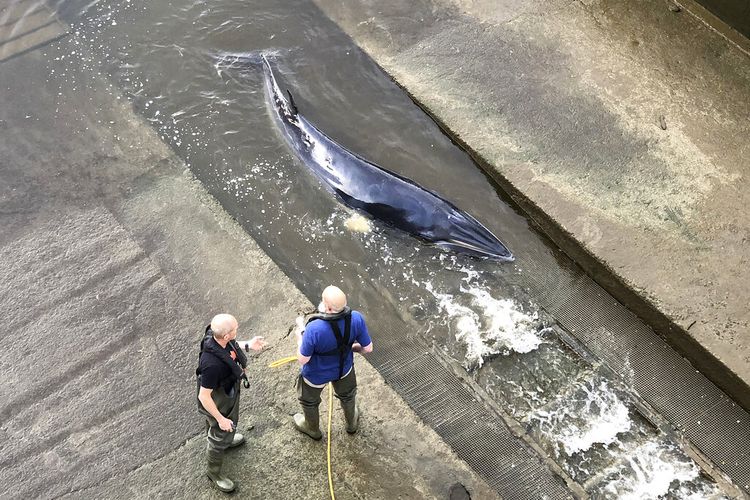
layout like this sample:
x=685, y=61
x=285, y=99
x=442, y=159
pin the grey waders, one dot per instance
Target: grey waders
x=215, y=459
x=351, y=414
x=345, y=387
x=309, y=423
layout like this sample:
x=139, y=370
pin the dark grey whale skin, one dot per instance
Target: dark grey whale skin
x=383, y=195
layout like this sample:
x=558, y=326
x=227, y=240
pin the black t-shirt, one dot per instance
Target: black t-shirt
x=214, y=371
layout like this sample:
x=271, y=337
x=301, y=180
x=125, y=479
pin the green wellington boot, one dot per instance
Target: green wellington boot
x=309, y=423
x=237, y=440
x=351, y=414
x=215, y=459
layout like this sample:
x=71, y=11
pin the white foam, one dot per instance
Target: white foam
x=358, y=223
x=508, y=323
x=654, y=466
x=600, y=419
x=607, y=417
x=491, y=326
x=471, y=274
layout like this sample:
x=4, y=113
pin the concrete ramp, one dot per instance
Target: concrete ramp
x=26, y=25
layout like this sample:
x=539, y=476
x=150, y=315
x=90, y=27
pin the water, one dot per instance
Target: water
x=187, y=68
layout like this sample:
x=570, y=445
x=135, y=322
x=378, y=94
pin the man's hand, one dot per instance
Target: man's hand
x=257, y=343
x=299, y=326
x=356, y=347
x=225, y=424
x=204, y=396
x=299, y=329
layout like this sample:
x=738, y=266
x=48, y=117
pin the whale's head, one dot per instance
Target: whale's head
x=468, y=236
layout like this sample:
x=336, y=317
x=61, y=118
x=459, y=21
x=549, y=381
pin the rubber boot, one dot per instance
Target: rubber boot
x=215, y=459
x=309, y=423
x=237, y=440
x=351, y=414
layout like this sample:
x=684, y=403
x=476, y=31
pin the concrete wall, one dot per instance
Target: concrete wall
x=736, y=13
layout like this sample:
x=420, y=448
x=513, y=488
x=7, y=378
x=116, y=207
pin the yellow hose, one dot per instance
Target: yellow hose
x=282, y=361
x=289, y=359
x=330, y=412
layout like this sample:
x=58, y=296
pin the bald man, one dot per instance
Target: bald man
x=326, y=342
x=220, y=369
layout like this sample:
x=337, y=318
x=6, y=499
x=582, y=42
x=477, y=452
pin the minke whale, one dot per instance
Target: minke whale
x=378, y=192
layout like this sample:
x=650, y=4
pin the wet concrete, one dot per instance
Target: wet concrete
x=619, y=127
x=26, y=25
x=112, y=258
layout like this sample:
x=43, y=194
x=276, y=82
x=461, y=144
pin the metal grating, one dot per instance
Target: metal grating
x=478, y=436
x=709, y=419
x=712, y=422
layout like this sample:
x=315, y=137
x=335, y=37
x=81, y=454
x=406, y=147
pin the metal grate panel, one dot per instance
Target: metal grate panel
x=711, y=421
x=477, y=435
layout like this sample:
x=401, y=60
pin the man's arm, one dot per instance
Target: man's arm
x=298, y=331
x=301, y=358
x=204, y=396
x=363, y=337
x=256, y=343
x=356, y=347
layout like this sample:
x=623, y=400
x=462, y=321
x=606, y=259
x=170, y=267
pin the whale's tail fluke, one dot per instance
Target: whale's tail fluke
x=236, y=61
x=243, y=61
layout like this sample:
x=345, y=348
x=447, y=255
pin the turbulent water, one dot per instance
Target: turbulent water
x=189, y=69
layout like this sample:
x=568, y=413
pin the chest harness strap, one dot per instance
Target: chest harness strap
x=343, y=342
x=208, y=345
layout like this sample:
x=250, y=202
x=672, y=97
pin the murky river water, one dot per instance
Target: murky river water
x=182, y=64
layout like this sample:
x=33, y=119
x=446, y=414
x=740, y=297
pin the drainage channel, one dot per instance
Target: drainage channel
x=653, y=372
x=477, y=434
x=603, y=431
x=535, y=376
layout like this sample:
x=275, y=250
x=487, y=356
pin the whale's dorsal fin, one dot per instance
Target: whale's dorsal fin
x=291, y=102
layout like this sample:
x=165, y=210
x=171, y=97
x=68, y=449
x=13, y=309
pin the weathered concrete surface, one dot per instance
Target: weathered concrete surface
x=620, y=127
x=112, y=258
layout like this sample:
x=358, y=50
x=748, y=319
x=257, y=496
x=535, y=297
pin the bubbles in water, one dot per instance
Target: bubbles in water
x=492, y=326
x=650, y=470
x=594, y=415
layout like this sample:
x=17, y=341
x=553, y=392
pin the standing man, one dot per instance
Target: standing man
x=220, y=369
x=327, y=341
